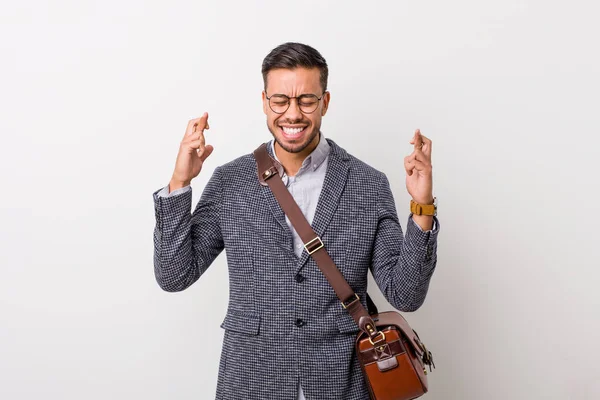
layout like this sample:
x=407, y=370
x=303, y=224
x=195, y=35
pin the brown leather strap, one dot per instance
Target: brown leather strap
x=422, y=209
x=268, y=168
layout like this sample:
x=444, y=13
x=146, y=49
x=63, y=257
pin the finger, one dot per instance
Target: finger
x=196, y=144
x=408, y=166
x=419, y=155
x=196, y=124
x=411, y=161
x=201, y=124
x=416, y=165
x=204, y=152
x=418, y=140
x=198, y=135
x=426, y=140
x=420, y=166
x=201, y=150
x=191, y=125
x=202, y=138
x=427, y=145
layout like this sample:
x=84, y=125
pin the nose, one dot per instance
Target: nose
x=293, y=112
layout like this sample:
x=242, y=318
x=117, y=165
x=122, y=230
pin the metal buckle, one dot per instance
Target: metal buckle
x=382, y=338
x=318, y=245
x=352, y=302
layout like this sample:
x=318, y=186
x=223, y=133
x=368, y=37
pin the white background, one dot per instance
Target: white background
x=95, y=97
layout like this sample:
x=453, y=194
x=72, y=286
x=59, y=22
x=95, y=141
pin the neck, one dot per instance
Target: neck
x=292, y=162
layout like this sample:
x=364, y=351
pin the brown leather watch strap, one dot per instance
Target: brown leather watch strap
x=269, y=174
x=422, y=209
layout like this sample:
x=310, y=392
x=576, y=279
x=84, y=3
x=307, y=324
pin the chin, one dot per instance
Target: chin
x=294, y=139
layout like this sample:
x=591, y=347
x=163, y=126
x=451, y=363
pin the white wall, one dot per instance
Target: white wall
x=95, y=97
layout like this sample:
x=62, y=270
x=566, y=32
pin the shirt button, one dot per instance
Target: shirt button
x=300, y=278
x=300, y=323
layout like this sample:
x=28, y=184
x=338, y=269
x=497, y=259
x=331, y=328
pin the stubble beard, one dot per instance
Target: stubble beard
x=316, y=131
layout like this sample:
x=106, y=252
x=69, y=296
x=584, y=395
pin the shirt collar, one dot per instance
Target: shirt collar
x=316, y=157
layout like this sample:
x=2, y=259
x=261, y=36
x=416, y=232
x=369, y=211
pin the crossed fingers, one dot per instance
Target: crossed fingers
x=194, y=134
x=420, y=158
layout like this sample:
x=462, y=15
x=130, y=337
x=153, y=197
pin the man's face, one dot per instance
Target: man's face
x=285, y=127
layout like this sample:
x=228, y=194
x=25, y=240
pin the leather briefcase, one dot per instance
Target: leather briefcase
x=394, y=362
x=391, y=355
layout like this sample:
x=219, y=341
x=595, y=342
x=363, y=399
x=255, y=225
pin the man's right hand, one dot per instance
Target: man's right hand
x=192, y=153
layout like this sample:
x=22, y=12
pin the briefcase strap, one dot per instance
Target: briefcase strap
x=269, y=174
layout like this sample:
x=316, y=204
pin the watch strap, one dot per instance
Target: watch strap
x=423, y=209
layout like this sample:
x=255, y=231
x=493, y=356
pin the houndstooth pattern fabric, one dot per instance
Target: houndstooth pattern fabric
x=281, y=330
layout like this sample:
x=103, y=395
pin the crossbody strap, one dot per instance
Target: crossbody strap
x=269, y=174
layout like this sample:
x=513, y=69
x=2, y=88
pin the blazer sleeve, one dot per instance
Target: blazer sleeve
x=185, y=243
x=402, y=266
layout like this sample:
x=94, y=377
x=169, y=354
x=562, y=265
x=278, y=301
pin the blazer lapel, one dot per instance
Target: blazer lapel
x=278, y=213
x=282, y=236
x=333, y=187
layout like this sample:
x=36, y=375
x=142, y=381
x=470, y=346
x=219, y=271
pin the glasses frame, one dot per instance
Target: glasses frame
x=289, y=102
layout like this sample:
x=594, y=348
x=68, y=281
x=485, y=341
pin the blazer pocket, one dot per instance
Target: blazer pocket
x=346, y=324
x=242, y=322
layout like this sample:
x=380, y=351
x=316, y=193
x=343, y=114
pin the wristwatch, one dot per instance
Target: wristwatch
x=424, y=209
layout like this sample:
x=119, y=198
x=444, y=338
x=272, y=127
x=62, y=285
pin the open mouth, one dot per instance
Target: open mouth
x=293, y=132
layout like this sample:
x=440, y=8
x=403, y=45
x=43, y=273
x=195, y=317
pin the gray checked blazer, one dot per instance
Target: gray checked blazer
x=284, y=323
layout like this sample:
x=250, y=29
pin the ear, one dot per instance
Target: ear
x=264, y=100
x=326, y=98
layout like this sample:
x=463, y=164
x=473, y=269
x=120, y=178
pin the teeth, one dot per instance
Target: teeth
x=291, y=131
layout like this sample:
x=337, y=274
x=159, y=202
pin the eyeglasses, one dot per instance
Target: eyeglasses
x=280, y=103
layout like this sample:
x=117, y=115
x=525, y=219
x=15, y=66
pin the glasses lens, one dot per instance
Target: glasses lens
x=279, y=103
x=308, y=103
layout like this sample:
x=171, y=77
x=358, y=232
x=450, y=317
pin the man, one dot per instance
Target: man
x=286, y=335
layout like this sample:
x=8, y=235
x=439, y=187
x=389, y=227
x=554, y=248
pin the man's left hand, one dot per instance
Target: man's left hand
x=419, y=182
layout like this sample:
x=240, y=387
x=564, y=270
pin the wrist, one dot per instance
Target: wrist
x=174, y=185
x=424, y=221
x=428, y=201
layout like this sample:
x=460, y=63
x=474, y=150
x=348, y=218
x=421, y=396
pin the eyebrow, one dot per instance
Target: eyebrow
x=303, y=94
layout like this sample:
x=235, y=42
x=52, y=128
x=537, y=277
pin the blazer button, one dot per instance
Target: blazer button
x=300, y=323
x=300, y=278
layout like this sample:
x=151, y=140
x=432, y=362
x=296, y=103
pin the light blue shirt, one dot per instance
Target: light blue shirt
x=305, y=187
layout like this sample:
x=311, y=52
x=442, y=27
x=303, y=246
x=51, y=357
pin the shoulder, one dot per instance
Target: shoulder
x=241, y=168
x=237, y=166
x=358, y=167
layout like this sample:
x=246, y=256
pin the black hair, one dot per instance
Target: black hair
x=293, y=55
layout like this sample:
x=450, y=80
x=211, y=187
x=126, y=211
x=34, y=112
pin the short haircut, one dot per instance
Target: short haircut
x=293, y=55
